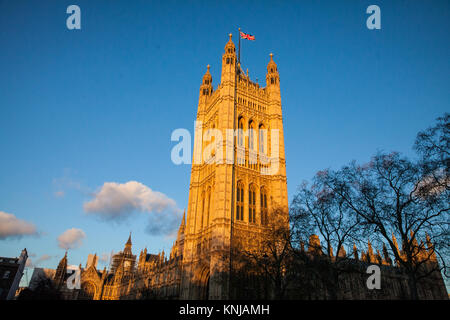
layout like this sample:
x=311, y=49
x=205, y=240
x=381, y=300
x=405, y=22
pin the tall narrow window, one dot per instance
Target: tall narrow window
x=251, y=137
x=263, y=203
x=241, y=133
x=242, y=206
x=208, y=206
x=251, y=205
x=261, y=139
x=203, y=210
x=240, y=202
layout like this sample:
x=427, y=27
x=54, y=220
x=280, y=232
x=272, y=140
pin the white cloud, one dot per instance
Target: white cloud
x=67, y=183
x=12, y=227
x=71, y=239
x=59, y=194
x=117, y=201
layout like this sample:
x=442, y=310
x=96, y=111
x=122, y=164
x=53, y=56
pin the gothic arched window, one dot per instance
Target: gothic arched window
x=251, y=204
x=203, y=209
x=251, y=136
x=241, y=132
x=240, y=201
x=87, y=291
x=262, y=141
x=263, y=203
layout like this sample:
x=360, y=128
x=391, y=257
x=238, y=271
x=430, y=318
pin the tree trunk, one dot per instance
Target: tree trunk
x=412, y=284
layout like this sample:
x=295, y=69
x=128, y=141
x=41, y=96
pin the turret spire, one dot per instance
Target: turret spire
x=229, y=63
x=61, y=271
x=206, y=88
x=272, y=77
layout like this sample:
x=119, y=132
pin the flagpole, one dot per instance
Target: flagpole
x=233, y=168
x=239, y=52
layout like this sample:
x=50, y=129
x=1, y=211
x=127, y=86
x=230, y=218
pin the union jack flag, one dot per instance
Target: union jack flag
x=247, y=36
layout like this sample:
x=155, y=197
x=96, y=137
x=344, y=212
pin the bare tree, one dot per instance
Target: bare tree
x=433, y=147
x=265, y=269
x=389, y=197
x=317, y=211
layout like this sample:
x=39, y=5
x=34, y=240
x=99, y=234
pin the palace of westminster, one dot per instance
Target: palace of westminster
x=228, y=204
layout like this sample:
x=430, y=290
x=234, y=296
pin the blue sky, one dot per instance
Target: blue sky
x=83, y=107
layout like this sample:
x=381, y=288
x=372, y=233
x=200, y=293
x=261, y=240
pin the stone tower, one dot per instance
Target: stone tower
x=238, y=175
x=123, y=262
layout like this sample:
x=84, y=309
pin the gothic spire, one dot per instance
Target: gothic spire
x=229, y=63
x=128, y=245
x=230, y=45
x=206, y=88
x=61, y=271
